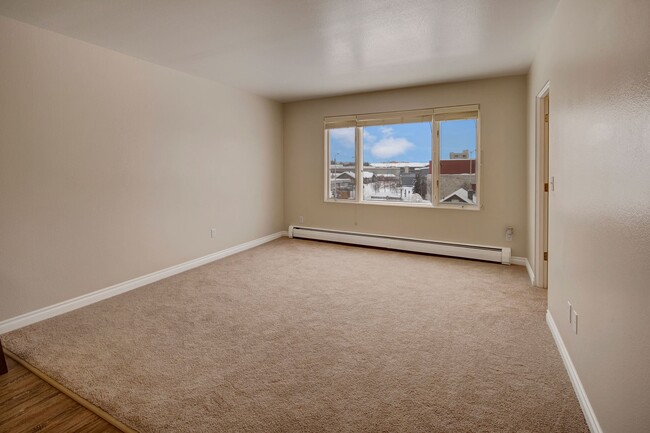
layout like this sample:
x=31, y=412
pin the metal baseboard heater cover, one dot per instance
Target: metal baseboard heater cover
x=477, y=252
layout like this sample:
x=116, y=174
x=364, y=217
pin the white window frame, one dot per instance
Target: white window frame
x=435, y=116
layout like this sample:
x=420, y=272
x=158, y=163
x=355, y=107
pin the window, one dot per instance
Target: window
x=414, y=158
x=397, y=162
x=458, y=161
x=342, y=163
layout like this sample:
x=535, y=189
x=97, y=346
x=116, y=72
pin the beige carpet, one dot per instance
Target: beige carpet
x=302, y=336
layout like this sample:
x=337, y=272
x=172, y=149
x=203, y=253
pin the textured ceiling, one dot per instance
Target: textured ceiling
x=297, y=49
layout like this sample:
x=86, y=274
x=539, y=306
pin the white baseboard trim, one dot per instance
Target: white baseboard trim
x=108, y=292
x=523, y=261
x=531, y=274
x=519, y=261
x=588, y=411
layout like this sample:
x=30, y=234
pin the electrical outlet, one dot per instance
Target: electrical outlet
x=570, y=311
x=509, y=233
x=575, y=321
x=213, y=233
x=301, y=219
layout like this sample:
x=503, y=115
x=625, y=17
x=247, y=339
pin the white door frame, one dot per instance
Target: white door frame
x=540, y=212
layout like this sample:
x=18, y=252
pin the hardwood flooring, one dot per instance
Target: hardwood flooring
x=28, y=404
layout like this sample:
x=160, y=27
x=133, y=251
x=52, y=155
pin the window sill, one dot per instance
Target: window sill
x=425, y=205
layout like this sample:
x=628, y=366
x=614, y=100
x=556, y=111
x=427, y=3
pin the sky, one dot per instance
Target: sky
x=408, y=142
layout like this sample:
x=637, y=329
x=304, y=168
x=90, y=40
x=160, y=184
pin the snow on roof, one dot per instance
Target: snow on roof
x=366, y=175
x=462, y=194
x=398, y=164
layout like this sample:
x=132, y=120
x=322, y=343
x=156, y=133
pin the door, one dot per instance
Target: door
x=547, y=189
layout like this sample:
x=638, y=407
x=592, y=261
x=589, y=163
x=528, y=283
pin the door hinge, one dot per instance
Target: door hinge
x=546, y=187
x=546, y=118
x=546, y=256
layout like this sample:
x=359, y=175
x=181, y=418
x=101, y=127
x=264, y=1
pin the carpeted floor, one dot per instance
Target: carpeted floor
x=303, y=336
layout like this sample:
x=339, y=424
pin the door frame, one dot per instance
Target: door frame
x=542, y=148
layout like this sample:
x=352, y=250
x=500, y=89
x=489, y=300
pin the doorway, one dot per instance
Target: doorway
x=543, y=186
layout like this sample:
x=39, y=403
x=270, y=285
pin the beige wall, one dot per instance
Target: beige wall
x=112, y=167
x=597, y=58
x=503, y=173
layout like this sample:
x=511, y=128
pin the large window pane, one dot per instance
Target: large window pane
x=342, y=164
x=458, y=162
x=397, y=162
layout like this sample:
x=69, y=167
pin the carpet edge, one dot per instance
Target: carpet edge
x=66, y=306
x=74, y=396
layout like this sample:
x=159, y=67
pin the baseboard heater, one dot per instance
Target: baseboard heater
x=477, y=252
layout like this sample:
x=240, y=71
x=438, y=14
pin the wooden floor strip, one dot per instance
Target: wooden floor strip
x=82, y=401
x=28, y=405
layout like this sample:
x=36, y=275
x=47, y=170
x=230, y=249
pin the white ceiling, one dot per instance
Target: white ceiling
x=298, y=49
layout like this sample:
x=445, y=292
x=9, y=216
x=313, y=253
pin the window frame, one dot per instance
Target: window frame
x=360, y=121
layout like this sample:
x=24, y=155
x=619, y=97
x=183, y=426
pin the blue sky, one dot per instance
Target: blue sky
x=410, y=142
x=456, y=136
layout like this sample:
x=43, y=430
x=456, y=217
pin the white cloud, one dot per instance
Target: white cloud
x=387, y=131
x=368, y=137
x=345, y=135
x=389, y=147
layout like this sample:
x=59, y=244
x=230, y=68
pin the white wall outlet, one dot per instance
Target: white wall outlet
x=213, y=233
x=575, y=321
x=552, y=183
x=570, y=307
x=509, y=233
x=301, y=219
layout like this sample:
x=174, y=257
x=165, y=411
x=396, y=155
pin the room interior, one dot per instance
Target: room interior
x=210, y=222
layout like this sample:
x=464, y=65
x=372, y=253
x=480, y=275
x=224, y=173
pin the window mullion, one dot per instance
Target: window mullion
x=359, y=159
x=478, y=162
x=435, y=164
x=328, y=176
